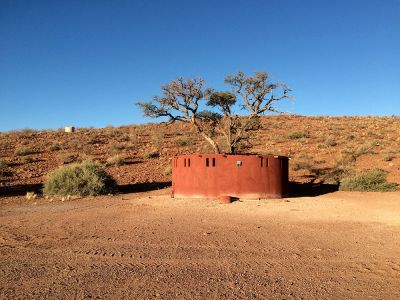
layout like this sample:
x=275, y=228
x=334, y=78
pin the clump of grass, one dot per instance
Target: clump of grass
x=151, y=155
x=331, y=142
x=31, y=196
x=84, y=179
x=3, y=164
x=373, y=180
x=115, y=160
x=388, y=156
x=182, y=142
x=335, y=175
x=301, y=165
x=116, y=147
x=168, y=170
x=298, y=135
x=23, y=150
x=3, y=167
x=55, y=147
x=27, y=159
x=67, y=158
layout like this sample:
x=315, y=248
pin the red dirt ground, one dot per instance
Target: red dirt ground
x=147, y=245
x=315, y=144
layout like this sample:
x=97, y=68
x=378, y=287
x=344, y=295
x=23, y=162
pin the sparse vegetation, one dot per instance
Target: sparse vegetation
x=23, y=150
x=373, y=180
x=3, y=167
x=55, y=147
x=84, y=179
x=67, y=158
x=298, y=135
x=115, y=160
x=168, y=170
x=27, y=159
x=30, y=195
x=388, y=156
x=151, y=155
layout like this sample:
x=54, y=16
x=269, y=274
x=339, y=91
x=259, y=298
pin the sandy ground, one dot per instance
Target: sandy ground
x=143, y=246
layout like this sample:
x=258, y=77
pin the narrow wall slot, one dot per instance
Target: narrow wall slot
x=213, y=162
x=266, y=162
x=188, y=162
x=184, y=162
x=261, y=161
x=207, y=162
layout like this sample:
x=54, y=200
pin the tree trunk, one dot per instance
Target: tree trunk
x=211, y=142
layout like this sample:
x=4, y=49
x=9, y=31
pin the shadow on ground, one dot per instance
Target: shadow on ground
x=22, y=189
x=297, y=189
x=143, y=187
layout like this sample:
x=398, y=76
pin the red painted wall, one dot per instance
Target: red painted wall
x=242, y=176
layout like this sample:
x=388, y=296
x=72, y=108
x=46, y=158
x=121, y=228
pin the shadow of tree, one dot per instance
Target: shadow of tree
x=310, y=189
x=22, y=189
x=143, y=187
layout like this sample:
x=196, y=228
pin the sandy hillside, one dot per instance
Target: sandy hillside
x=147, y=245
x=137, y=154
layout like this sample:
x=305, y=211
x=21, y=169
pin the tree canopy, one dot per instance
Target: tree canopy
x=181, y=100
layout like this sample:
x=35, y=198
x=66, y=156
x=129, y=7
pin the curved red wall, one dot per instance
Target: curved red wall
x=242, y=176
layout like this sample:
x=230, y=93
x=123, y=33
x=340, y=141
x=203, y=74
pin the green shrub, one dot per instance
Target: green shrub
x=373, y=180
x=23, y=150
x=84, y=179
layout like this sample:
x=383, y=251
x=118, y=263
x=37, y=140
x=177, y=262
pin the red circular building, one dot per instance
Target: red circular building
x=241, y=176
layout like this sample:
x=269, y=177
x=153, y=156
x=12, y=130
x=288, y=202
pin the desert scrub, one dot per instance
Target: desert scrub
x=27, y=159
x=115, y=160
x=84, y=179
x=151, y=155
x=388, y=156
x=23, y=150
x=3, y=167
x=373, y=180
x=299, y=134
x=67, y=158
x=54, y=147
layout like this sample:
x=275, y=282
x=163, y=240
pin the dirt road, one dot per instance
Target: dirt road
x=143, y=246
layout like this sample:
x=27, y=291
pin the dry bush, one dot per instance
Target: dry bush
x=67, y=158
x=27, y=159
x=115, y=160
x=373, y=180
x=84, y=179
x=54, y=146
x=23, y=150
x=3, y=167
x=299, y=134
x=151, y=155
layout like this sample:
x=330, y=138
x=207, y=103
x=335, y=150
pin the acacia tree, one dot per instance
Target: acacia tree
x=181, y=99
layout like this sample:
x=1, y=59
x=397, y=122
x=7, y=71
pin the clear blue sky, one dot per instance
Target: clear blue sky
x=85, y=63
